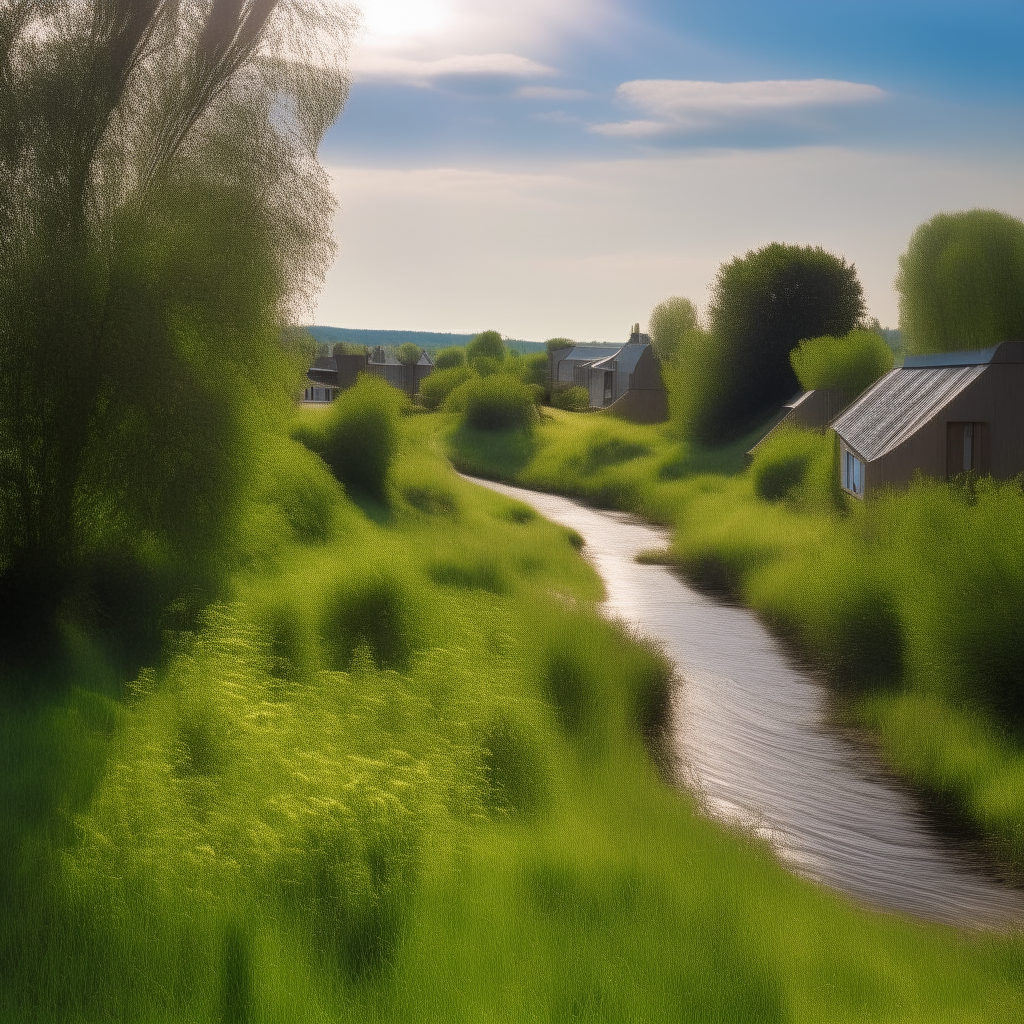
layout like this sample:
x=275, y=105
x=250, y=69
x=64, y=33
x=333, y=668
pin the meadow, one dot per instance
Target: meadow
x=907, y=603
x=401, y=770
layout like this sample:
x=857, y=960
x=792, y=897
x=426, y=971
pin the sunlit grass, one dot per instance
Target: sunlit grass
x=399, y=773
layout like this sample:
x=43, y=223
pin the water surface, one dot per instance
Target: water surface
x=753, y=734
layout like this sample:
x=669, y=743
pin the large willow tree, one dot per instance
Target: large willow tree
x=162, y=215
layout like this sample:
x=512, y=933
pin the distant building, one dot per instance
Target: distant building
x=400, y=375
x=330, y=375
x=940, y=415
x=625, y=381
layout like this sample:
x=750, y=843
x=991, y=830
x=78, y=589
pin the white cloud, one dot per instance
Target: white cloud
x=380, y=66
x=681, y=105
x=550, y=92
x=585, y=249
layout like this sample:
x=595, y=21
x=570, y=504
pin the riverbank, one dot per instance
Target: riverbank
x=909, y=603
x=398, y=773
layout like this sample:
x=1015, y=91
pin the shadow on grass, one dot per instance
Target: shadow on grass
x=492, y=454
x=728, y=459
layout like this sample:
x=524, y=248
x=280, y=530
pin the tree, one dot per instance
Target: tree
x=670, y=321
x=449, y=358
x=162, y=216
x=487, y=343
x=961, y=282
x=763, y=304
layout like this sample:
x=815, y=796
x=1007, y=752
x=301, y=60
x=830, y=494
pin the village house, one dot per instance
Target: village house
x=330, y=375
x=625, y=382
x=940, y=415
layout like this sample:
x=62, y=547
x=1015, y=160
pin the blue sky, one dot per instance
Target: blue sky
x=557, y=167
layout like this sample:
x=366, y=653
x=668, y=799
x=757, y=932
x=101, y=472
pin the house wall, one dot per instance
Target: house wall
x=995, y=398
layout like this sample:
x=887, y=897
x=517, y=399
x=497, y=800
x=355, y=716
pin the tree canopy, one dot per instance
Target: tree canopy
x=163, y=216
x=961, y=282
x=669, y=323
x=762, y=305
x=487, y=343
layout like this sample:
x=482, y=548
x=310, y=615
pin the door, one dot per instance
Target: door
x=967, y=449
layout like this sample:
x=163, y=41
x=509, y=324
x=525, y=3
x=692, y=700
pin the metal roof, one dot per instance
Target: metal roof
x=899, y=404
x=625, y=359
x=586, y=352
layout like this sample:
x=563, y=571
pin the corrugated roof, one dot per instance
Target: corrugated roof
x=625, y=359
x=900, y=404
x=586, y=352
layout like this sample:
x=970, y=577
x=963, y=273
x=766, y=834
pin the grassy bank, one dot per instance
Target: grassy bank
x=909, y=603
x=399, y=773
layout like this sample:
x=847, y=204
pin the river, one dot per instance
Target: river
x=753, y=734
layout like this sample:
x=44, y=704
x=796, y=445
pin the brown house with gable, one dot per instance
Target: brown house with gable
x=940, y=415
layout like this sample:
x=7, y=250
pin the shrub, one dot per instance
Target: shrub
x=850, y=364
x=499, y=402
x=800, y=465
x=961, y=282
x=449, y=358
x=486, y=365
x=488, y=343
x=409, y=354
x=554, y=344
x=358, y=436
x=437, y=386
x=534, y=369
x=575, y=399
x=375, y=611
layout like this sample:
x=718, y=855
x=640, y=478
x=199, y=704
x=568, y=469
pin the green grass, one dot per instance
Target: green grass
x=399, y=773
x=908, y=601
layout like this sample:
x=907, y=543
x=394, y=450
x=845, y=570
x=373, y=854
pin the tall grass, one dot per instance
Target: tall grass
x=909, y=600
x=398, y=773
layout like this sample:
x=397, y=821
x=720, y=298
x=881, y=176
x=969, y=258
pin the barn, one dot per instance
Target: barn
x=940, y=415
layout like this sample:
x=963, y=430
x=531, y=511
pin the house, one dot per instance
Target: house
x=940, y=415
x=625, y=382
x=400, y=375
x=322, y=381
x=812, y=410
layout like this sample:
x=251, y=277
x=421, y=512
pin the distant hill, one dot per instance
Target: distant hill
x=430, y=340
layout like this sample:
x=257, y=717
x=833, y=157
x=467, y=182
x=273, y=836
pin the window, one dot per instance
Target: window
x=609, y=385
x=853, y=474
x=967, y=449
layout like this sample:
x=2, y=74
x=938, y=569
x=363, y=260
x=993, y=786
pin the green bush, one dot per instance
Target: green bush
x=575, y=399
x=437, y=386
x=488, y=343
x=486, y=365
x=374, y=610
x=798, y=465
x=358, y=437
x=409, y=354
x=670, y=322
x=554, y=344
x=850, y=364
x=449, y=358
x=499, y=402
x=516, y=766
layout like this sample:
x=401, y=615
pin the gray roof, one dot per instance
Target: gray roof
x=585, y=352
x=899, y=404
x=625, y=359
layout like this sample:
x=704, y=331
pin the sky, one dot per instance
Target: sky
x=557, y=167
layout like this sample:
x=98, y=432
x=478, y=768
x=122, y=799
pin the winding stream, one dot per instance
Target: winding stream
x=753, y=733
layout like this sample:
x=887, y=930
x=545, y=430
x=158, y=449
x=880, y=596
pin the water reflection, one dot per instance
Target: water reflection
x=752, y=731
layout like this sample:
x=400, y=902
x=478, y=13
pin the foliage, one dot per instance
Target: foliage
x=449, y=358
x=499, y=402
x=763, y=304
x=850, y=364
x=534, y=369
x=348, y=348
x=161, y=219
x=437, y=386
x=408, y=354
x=554, y=344
x=485, y=366
x=358, y=436
x=670, y=321
x=574, y=399
x=961, y=282
x=487, y=343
